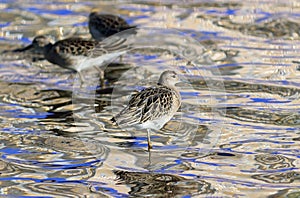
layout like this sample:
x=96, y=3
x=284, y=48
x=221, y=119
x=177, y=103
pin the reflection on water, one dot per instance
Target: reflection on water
x=268, y=162
x=58, y=144
x=281, y=27
x=161, y=185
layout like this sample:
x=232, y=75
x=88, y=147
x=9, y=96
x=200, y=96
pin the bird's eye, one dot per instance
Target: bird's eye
x=174, y=76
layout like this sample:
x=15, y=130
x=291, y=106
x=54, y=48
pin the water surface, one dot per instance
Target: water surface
x=236, y=134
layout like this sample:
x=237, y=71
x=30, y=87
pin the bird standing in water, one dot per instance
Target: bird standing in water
x=77, y=54
x=102, y=26
x=152, y=107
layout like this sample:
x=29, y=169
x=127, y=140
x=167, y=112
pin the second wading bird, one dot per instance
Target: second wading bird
x=77, y=54
x=152, y=107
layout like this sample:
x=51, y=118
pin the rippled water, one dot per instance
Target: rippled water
x=235, y=135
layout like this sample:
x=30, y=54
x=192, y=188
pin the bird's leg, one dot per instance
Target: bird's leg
x=101, y=74
x=149, y=149
x=102, y=79
x=149, y=158
x=149, y=140
x=81, y=79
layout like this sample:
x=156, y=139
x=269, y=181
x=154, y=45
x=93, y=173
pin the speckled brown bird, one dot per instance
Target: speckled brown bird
x=102, y=26
x=152, y=107
x=77, y=54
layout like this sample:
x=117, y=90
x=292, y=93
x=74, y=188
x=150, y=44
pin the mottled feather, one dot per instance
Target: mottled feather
x=68, y=53
x=105, y=25
x=150, y=105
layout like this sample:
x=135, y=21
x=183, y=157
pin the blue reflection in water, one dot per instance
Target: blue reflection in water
x=227, y=12
x=215, y=164
x=82, y=24
x=22, y=131
x=52, y=165
x=37, y=115
x=45, y=11
x=9, y=150
x=2, y=25
x=55, y=165
x=261, y=140
x=268, y=100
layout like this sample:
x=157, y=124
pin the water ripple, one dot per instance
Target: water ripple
x=236, y=131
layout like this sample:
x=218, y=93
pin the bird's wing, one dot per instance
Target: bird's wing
x=75, y=46
x=147, y=105
x=110, y=45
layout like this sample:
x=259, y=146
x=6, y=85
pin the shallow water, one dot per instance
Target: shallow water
x=235, y=135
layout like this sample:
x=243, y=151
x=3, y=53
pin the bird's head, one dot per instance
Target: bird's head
x=168, y=78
